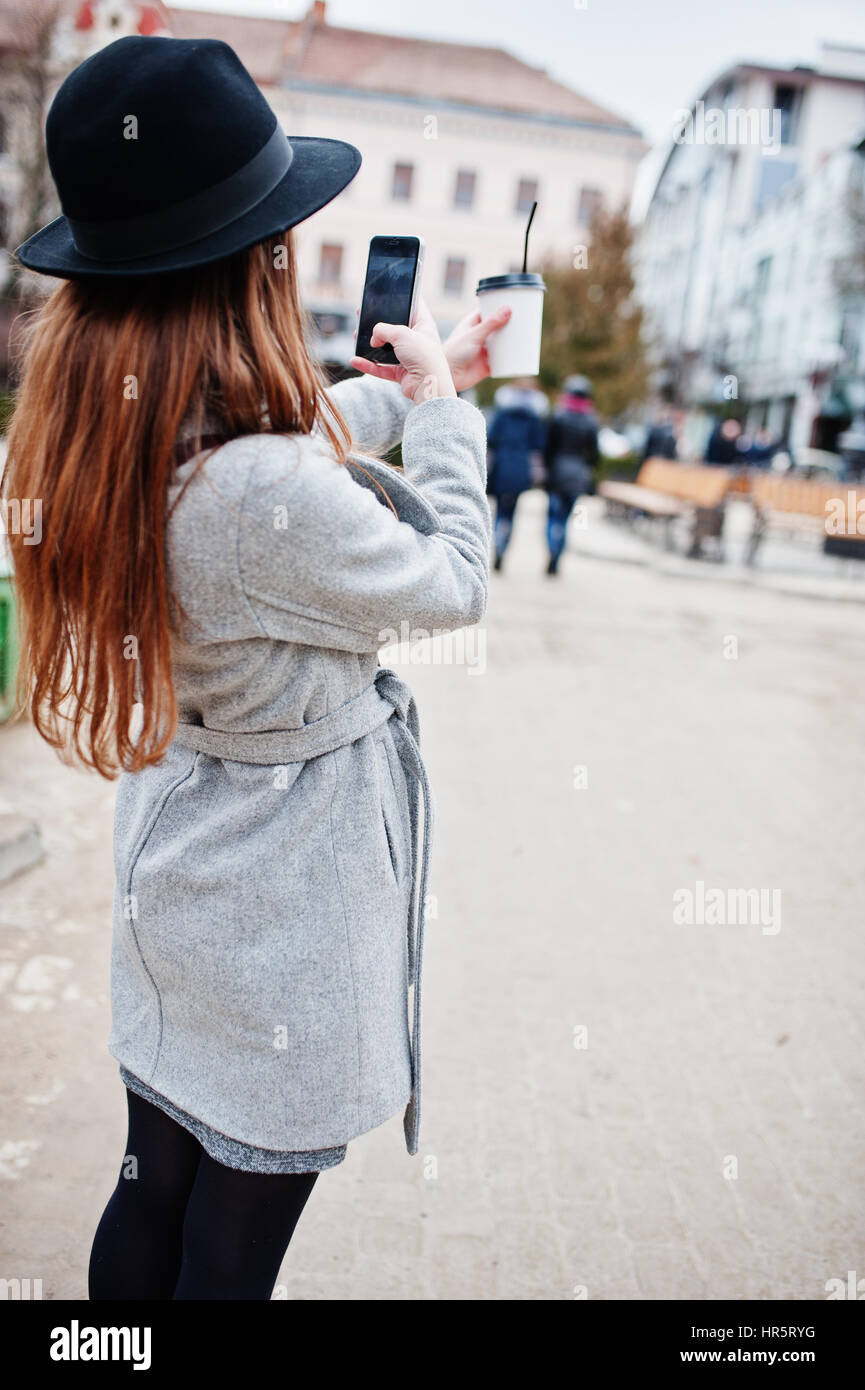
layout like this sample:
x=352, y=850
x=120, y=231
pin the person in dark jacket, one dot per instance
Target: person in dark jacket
x=571, y=458
x=722, y=446
x=661, y=437
x=762, y=448
x=515, y=440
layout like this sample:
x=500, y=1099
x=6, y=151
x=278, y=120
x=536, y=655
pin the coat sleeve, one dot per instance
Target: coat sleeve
x=374, y=410
x=322, y=561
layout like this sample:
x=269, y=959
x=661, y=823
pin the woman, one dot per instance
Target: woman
x=203, y=615
x=515, y=442
x=571, y=458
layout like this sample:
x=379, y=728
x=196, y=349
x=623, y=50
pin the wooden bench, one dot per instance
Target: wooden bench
x=803, y=506
x=665, y=490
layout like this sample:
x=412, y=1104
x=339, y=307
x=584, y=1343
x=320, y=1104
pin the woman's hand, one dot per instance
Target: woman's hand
x=466, y=347
x=423, y=371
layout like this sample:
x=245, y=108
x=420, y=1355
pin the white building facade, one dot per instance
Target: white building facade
x=462, y=178
x=739, y=262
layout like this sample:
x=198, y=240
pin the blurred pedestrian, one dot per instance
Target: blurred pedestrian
x=515, y=441
x=571, y=458
x=761, y=448
x=661, y=438
x=721, y=448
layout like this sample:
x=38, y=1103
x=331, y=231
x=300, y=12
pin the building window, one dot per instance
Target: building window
x=330, y=264
x=328, y=323
x=788, y=101
x=527, y=193
x=455, y=274
x=402, y=181
x=775, y=174
x=588, y=206
x=464, y=189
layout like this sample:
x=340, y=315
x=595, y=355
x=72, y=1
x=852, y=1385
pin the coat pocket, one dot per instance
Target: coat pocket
x=136, y=998
x=393, y=820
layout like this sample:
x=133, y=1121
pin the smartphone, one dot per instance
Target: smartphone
x=390, y=290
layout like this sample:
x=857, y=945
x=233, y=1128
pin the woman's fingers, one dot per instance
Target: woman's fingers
x=385, y=333
x=409, y=344
x=386, y=370
x=423, y=319
x=465, y=323
x=363, y=364
x=487, y=326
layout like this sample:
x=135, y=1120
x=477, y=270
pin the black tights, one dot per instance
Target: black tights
x=179, y=1225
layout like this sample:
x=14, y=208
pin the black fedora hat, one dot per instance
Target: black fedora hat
x=166, y=155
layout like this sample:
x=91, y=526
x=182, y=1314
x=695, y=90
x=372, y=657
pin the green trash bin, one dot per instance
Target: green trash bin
x=8, y=646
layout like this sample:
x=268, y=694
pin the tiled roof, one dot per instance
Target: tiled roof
x=259, y=43
x=458, y=72
x=304, y=51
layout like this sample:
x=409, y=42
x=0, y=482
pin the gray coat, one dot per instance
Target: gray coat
x=266, y=929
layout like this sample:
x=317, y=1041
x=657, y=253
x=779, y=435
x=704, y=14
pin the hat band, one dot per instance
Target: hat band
x=131, y=238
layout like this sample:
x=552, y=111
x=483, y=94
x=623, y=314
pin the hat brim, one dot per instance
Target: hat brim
x=319, y=170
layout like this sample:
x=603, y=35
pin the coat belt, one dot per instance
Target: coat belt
x=388, y=698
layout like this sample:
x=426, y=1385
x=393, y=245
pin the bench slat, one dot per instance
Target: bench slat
x=641, y=498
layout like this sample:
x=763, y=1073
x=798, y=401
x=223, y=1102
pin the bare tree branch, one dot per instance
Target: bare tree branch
x=29, y=74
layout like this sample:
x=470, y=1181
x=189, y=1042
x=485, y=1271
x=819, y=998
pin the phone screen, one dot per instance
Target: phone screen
x=387, y=291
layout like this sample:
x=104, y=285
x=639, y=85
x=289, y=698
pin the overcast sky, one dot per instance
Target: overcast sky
x=641, y=58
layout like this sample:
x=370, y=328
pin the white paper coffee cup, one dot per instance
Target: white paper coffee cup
x=514, y=350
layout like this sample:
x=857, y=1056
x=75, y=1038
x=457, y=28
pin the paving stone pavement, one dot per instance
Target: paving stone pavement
x=615, y=1106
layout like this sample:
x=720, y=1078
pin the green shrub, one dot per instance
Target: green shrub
x=625, y=468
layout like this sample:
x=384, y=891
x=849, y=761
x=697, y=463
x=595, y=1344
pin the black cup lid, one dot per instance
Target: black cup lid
x=522, y=278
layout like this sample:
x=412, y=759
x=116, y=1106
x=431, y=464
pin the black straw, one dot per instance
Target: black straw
x=526, y=246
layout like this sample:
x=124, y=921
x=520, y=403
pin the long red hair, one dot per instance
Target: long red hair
x=109, y=370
